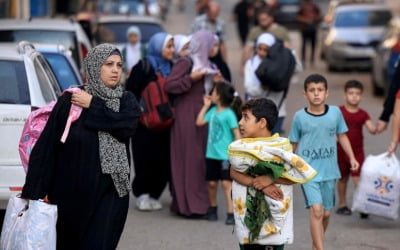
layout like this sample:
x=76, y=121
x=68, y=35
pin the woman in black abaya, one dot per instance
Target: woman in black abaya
x=87, y=177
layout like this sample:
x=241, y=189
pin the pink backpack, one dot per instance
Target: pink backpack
x=35, y=124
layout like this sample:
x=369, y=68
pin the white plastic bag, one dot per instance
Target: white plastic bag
x=29, y=225
x=378, y=191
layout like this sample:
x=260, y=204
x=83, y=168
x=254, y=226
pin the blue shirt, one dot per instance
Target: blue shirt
x=220, y=134
x=316, y=138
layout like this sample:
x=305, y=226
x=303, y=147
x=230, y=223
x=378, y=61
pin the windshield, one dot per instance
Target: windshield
x=362, y=18
x=66, y=38
x=63, y=70
x=14, y=87
x=116, y=32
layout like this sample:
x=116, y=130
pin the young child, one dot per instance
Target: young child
x=355, y=118
x=314, y=132
x=263, y=169
x=222, y=130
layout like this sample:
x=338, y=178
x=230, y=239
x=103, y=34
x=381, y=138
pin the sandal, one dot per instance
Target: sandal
x=343, y=210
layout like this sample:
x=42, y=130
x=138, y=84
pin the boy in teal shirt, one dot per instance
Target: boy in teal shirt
x=314, y=133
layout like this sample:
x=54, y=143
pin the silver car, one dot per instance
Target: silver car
x=383, y=63
x=112, y=28
x=26, y=83
x=350, y=40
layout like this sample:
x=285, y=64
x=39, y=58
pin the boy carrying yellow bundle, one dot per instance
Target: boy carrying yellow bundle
x=263, y=170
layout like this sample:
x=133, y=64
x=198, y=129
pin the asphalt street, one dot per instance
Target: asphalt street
x=162, y=230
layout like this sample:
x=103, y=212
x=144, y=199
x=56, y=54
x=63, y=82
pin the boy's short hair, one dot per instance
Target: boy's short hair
x=263, y=108
x=315, y=78
x=353, y=84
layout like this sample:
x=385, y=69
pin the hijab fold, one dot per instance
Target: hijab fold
x=201, y=44
x=113, y=156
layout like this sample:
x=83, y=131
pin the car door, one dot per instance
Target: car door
x=14, y=109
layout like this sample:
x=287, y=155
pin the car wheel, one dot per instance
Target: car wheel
x=322, y=55
x=376, y=91
x=2, y=213
x=331, y=68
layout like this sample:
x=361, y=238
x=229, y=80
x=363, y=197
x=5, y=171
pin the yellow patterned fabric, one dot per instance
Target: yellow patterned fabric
x=251, y=152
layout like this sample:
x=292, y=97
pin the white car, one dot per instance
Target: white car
x=26, y=83
x=67, y=32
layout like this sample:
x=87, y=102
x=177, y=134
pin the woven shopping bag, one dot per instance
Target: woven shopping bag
x=29, y=225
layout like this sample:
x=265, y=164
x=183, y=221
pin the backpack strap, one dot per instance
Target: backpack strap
x=146, y=66
x=282, y=99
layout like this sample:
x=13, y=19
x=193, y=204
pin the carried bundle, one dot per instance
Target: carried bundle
x=257, y=215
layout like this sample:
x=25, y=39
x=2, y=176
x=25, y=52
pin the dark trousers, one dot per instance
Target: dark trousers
x=260, y=247
x=308, y=36
x=151, y=157
x=243, y=30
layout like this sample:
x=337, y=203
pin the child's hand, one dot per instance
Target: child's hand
x=217, y=78
x=262, y=181
x=381, y=126
x=207, y=100
x=273, y=192
x=354, y=165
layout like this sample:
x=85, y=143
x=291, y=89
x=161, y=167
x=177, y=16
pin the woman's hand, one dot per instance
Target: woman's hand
x=392, y=147
x=197, y=74
x=81, y=99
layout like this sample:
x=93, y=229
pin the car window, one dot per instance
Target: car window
x=131, y=7
x=362, y=18
x=66, y=38
x=14, y=86
x=62, y=69
x=283, y=2
x=116, y=32
x=48, y=85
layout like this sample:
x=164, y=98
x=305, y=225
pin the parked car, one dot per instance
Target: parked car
x=128, y=7
x=286, y=13
x=67, y=32
x=64, y=68
x=112, y=29
x=350, y=40
x=26, y=82
x=388, y=53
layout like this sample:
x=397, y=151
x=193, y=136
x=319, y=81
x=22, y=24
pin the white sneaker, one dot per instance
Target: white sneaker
x=155, y=204
x=143, y=202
